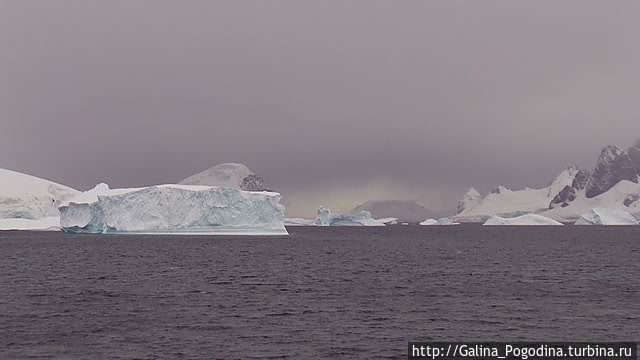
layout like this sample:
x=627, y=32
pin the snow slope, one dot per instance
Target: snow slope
x=469, y=200
x=527, y=219
x=174, y=209
x=24, y=196
x=603, y=216
x=223, y=175
x=506, y=202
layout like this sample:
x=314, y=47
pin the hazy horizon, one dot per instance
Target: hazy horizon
x=333, y=103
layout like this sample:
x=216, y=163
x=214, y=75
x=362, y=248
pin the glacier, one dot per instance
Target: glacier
x=526, y=219
x=174, y=209
x=603, y=216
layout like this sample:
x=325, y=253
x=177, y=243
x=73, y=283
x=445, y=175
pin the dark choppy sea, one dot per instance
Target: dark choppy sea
x=321, y=293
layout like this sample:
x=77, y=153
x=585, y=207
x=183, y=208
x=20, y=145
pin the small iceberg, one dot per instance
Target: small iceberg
x=362, y=218
x=388, y=221
x=604, y=216
x=526, y=219
x=441, y=221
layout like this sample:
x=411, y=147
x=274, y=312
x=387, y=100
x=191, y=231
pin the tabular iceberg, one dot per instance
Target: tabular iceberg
x=174, y=209
x=602, y=216
x=527, y=219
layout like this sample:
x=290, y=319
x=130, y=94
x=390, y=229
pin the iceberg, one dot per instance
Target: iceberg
x=174, y=209
x=323, y=217
x=527, y=219
x=388, y=220
x=430, y=222
x=361, y=218
x=604, y=216
x=441, y=221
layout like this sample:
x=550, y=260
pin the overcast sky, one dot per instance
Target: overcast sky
x=333, y=102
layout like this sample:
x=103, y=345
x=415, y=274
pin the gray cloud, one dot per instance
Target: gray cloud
x=420, y=99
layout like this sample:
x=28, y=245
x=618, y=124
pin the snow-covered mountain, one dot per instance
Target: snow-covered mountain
x=612, y=184
x=404, y=210
x=505, y=202
x=24, y=196
x=233, y=175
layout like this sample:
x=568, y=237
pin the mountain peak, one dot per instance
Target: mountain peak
x=472, y=192
x=613, y=166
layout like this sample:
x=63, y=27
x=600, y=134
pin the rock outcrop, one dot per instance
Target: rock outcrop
x=564, y=197
x=634, y=155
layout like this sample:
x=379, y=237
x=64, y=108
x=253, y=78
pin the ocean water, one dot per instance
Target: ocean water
x=334, y=293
